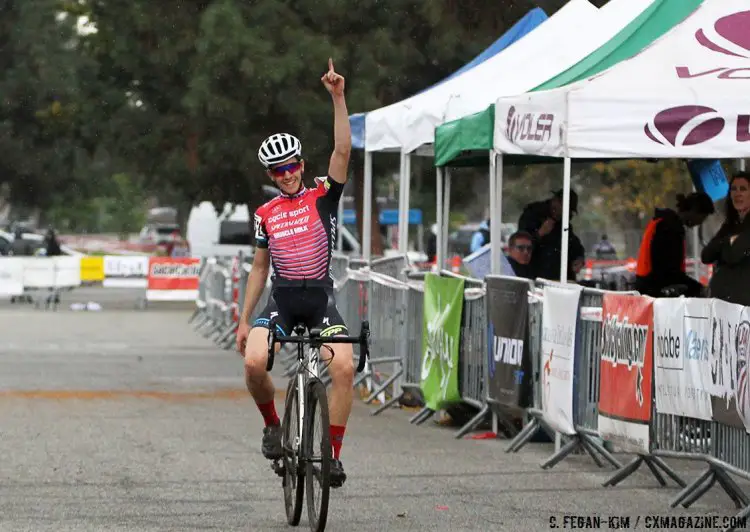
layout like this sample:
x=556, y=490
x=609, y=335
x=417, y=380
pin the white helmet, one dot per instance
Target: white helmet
x=278, y=148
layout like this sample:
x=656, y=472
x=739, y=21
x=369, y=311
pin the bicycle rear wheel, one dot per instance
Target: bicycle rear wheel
x=317, y=455
x=294, y=483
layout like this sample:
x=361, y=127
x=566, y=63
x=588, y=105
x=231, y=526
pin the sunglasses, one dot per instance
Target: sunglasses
x=280, y=171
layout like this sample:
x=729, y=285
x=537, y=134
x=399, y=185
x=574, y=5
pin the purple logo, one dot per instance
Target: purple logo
x=533, y=127
x=686, y=125
x=729, y=35
x=511, y=125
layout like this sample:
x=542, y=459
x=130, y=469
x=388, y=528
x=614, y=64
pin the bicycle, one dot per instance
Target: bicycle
x=298, y=467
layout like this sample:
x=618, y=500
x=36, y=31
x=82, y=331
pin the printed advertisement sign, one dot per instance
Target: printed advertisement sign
x=509, y=362
x=682, y=329
x=441, y=335
x=559, y=322
x=173, y=279
x=727, y=348
x=127, y=271
x=626, y=371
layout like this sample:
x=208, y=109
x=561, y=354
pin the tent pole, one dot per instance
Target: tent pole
x=497, y=216
x=494, y=263
x=446, y=213
x=565, y=221
x=403, y=202
x=367, y=210
x=439, y=258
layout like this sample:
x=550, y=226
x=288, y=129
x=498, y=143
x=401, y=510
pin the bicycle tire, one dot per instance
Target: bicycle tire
x=293, y=482
x=317, y=401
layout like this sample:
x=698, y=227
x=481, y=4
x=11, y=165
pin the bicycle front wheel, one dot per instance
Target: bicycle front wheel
x=294, y=484
x=317, y=454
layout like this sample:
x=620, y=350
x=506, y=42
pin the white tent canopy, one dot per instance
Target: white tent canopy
x=685, y=96
x=557, y=44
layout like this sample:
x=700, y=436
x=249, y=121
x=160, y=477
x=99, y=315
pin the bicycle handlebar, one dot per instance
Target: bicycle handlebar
x=315, y=340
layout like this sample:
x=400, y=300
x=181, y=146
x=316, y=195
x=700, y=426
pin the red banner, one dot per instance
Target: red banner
x=173, y=273
x=626, y=370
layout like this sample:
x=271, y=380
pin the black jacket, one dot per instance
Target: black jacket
x=545, y=259
x=731, y=278
x=661, y=259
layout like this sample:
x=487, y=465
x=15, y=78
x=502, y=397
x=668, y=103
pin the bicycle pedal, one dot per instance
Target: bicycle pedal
x=278, y=467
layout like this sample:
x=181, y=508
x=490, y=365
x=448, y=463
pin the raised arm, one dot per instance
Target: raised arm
x=342, y=133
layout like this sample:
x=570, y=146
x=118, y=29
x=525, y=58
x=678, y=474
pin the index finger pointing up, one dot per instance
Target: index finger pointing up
x=330, y=64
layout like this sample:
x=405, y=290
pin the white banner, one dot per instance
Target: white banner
x=741, y=343
x=68, y=271
x=559, y=320
x=11, y=276
x=38, y=272
x=682, y=334
x=125, y=271
x=531, y=124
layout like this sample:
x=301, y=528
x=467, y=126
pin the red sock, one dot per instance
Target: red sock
x=268, y=411
x=337, y=438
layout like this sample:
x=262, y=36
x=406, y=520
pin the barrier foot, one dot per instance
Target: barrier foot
x=386, y=405
x=566, y=449
x=473, y=422
x=671, y=473
x=363, y=377
x=194, y=315
x=228, y=333
x=523, y=437
x=624, y=472
x=422, y=416
x=654, y=463
x=731, y=487
x=383, y=386
x=591, y=445
x=707, y=475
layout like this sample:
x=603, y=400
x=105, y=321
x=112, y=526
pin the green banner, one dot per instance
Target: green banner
x=441, y=333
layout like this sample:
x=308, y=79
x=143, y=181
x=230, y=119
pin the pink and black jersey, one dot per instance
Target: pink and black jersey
x=300, y=233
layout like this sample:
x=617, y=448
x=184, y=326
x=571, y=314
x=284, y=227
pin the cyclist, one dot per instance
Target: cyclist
x=296, y=231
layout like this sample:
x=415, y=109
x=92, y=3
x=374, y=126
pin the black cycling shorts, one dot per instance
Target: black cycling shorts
x=314, y=307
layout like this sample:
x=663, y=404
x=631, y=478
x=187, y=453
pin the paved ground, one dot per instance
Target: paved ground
x=129, y=420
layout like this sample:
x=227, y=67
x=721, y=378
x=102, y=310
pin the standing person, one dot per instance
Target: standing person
x=661, y=258
x=729, y=249
x=481, y=237
x=543, y=221
x=297, y=232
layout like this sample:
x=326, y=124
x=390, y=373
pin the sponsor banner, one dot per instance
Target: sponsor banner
x=125, y=271
x=531, y=123
x=441, y=334
x=728, y=358
x=92, y=269
x=509, y=361
x=51, y=272
x=559, y=324
x=683, y=97
x=682, y=331
x=626, y=371
x=173, y=279
x=11, y=276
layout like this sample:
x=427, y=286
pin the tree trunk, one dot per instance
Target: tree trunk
x=376, y=249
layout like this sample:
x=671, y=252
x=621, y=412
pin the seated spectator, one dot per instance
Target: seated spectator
x=729, y=249
x=520, y=248
x=661, y=259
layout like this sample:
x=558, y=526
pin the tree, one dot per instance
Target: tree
x=41, y=161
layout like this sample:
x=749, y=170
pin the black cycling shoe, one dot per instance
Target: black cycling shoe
x=338, y=477
x=271, y=447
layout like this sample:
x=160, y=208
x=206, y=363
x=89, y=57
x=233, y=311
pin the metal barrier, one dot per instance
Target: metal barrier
x=393, y=304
